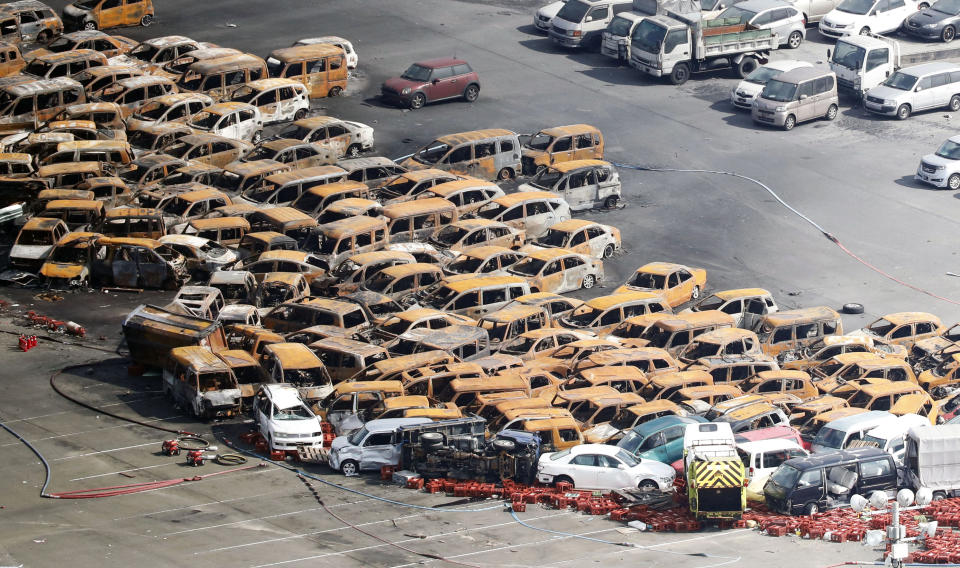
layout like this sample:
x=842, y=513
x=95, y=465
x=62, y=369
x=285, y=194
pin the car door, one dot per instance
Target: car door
x=378, y=450
x=878, y=474
x=883, y=17
x=133, y=11
x=111, y=14
x=30, y=25
x=444, y=84
x=580, y=186
x=484, y=162
x=268, y=105
x=227, y=126
x=562, y=150
x=806, y=93
x=612, y=473
x=574, y=270
x=286, y=102
x=583, y=147
x=551, y=277
x=339, y=137
x=584, y=470
x=539, y=217
x=152, y=268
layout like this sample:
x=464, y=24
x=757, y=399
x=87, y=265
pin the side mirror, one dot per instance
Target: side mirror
x=918, y=89
x=721, y=6
x=435, y=81
x=803, y=97
x=588, y=19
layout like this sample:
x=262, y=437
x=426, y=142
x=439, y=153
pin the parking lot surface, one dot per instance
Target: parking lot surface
x=851, y=178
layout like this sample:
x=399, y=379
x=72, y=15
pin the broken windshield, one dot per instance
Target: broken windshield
x=540, y=141
x=432, y=152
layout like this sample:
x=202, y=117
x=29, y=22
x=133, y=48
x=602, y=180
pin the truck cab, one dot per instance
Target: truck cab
x=862, y=62
x=616, y=38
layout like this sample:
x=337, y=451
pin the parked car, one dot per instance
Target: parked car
x=601, y=466
x=939, y=21
x=675, y=282
x=240, y=121
x=942, y=168
x=782, y=19
x=101, y=14
x=796, y=96
x=746, y=90
x=430, y=81
x=581, y=22
x=584, y=184
x=374, y=445
x=579, y=235
x=345, y=45
x=348, y=138
x=559, y=270
x=285, y=420
x=862, y=17
x=96, y=40
x=545, y=14
x=921, y=87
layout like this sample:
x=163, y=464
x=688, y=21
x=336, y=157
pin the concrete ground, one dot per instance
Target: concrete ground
x=853, y=177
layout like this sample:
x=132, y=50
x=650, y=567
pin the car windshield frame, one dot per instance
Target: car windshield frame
x=949, y=150
x=779, y=91
x=858, y=7
x=417, y=72
x=901, y=81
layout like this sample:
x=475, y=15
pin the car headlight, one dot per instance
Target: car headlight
x=781, y=109
x=931, y=25
x=890, y=102
x=405, y=91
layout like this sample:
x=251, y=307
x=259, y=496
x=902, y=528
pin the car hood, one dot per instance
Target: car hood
x=308, y=426
x=74, y=10
x=62, y=270
x=836, y=17
x=748, y=88
x=551, y=9
x=929, y=16
x=30, y=251
x=339, y=443
x=600, y=433
x=653, y=467
x=399, y=84
x=227, y=257
x=935, y=160
x=884, y=92
x=565, y=25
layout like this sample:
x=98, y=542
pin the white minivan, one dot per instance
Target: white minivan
x=373, y=446
x=582, y=22
x=862, y=17
x=921, y=87
x=891, y=436
x=762, y=457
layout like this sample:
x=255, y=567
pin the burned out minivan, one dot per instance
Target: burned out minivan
x=201, y=382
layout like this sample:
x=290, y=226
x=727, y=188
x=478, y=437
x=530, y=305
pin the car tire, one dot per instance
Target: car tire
x=648, y=485
x=795, y=39
x=257, y=137
x=335, y=92
x=903, y=112
x=790, y=122
x=90, y=26
x=417, y=101
x=146, y=20
x=695, y=294
x=953, y=182
x=504, y=445
x=589, y=281
x=563, y=479
x=300, y=114
x=831, y=112
x=611, y=202
x=852, y=308
x=747, y=66
x=948, y=33
x=954, y=104
x=504, y=174
x=938, y=496
x=811, y=509
x=471, y=93
x=349, y=467
x=608, y=251
x=865, y=30
x=922, y=6
x=680, y=74
x=354, y=151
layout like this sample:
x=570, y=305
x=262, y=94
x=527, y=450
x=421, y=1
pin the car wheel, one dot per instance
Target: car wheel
x=953, y=182
x=146, y=20
x=354, y=151
x=335, y=92
x=954, y=105
x=417, y=101
x=903, y=112
x=790, y=122
x=608, y=251
x=563, y=479
x=349, y=467
x=648, y=485
x=746, y=66
x=300, y=114
x=865, y=30
x=680, y=74
x=588, y=281
x=922, y=6
x=795, y=39
x=90, y=26
x=43, y=37
x=471, y=93
x=611, y=202
x=257, y=137
x=505, y=174
x=811, y=509
x=939, y=496
x=852, y=308
x=695, y=295
x=832, y=112
x=948, y=34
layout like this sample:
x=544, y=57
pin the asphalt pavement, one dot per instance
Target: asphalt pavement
x=851, y=177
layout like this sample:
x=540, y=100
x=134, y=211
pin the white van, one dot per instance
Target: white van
x=891, y=436
x=374, y=445
x=837, y=434
x=582, y=22
x=921, y=87
x=277, y=99
x=762, y=457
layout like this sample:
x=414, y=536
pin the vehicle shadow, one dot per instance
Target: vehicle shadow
x=619, y=75
x=736, y=117
x=908, y=181
x=530, y=29
x=540, y=45
x=376, y=101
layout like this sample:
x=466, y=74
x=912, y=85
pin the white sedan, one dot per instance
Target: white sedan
x=600, y=466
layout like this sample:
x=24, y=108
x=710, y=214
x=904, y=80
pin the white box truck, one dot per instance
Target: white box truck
x=932, y=459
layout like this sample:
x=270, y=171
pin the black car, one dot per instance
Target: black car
x=804, y=486
x=939, y=21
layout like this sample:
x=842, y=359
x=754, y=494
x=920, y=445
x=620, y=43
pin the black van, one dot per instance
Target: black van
x=803, y=486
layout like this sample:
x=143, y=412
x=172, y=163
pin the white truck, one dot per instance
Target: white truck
x=680, y=42
x=932, y=459
x=616, y=38
x=862, y=62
